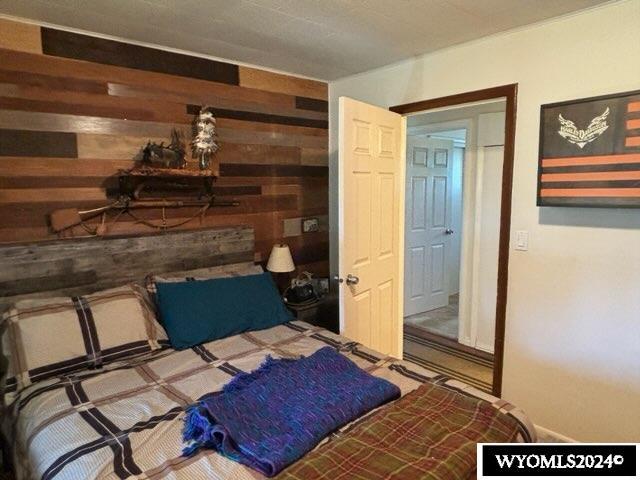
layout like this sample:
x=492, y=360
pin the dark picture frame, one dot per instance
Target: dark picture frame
x=589, y=152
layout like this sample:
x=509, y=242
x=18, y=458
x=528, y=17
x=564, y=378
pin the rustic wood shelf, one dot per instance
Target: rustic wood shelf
x=167, y=172
x=134, y=180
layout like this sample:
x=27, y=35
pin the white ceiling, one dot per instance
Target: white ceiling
x=325, y=39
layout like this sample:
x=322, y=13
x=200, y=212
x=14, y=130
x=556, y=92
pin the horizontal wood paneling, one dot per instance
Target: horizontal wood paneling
x=54, y=84
x=277, y=82
x=223, y=96
x=261, y=117
x=75, y=268
x=20, y=36
x=100, y=50
x=312, y=104
x=72, y=117
x=32, y=143
x=230, y=170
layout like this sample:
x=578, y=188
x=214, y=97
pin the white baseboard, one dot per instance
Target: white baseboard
x=553, y=436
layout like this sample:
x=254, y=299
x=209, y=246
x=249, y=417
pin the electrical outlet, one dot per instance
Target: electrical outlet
x=310, y=225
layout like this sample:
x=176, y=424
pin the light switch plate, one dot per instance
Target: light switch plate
x=522, y=240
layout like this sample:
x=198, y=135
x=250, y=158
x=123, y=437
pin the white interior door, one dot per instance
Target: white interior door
x=371, y=159
x=428, y=224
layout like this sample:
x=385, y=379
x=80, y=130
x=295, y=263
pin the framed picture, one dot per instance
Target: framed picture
x=590, y=152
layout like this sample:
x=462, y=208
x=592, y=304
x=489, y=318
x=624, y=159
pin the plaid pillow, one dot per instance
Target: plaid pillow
x=221, y=271
x=44, y=338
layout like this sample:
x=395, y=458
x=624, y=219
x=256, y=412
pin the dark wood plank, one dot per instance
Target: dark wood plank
x=110, y=52
x=314, y=104
x=31, y=143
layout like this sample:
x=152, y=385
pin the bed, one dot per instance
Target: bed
x=124, y=419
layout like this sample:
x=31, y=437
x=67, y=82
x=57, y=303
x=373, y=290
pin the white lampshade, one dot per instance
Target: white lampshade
x=280, y=259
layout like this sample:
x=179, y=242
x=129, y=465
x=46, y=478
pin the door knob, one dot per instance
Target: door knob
x=351, y=279
x=448, y=231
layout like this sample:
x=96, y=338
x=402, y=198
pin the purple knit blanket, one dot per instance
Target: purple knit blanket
x=269, y=418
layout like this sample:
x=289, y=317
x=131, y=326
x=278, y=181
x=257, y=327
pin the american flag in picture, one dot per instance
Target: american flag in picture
x=590, y=152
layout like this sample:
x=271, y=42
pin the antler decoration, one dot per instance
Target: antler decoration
x=205, y=143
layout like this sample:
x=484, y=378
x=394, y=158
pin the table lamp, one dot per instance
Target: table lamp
x=281, y=263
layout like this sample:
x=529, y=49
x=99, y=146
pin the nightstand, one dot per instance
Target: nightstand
x=321, y=313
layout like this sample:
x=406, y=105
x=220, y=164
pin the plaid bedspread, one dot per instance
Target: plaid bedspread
x=409, y=440
x=125, y=420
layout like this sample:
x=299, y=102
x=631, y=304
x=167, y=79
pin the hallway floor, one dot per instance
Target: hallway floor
x=471, y=369
x=441, y=321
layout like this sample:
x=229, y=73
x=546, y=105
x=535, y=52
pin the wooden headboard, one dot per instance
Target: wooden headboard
x=77, y=267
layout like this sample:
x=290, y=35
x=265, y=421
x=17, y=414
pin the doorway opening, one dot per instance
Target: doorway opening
x=459, y=157
x=433, y=225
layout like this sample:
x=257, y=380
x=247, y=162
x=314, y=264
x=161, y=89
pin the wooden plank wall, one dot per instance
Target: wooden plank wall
x=74, y=109
x=63, y=268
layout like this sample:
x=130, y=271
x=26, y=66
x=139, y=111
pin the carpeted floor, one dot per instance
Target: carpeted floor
x=441, y=321
x=466, y=367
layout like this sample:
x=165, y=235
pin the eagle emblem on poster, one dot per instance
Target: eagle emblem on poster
x=572, y=134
